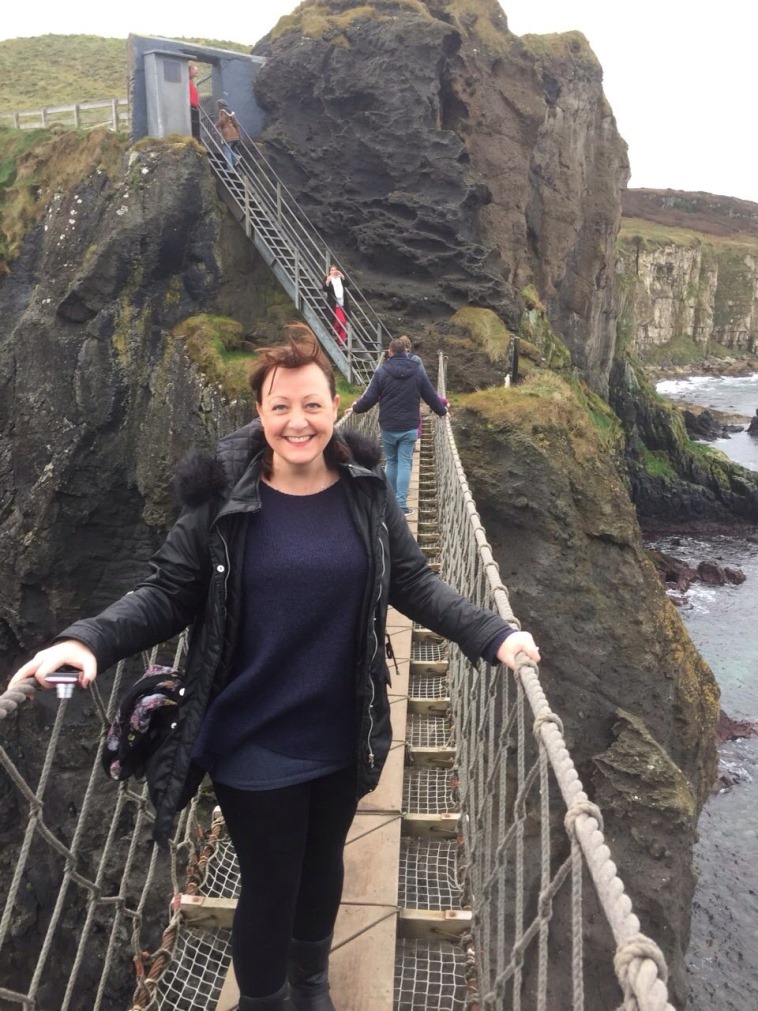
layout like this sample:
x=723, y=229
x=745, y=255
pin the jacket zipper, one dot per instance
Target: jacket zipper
x=371, y=756
x=228, y=565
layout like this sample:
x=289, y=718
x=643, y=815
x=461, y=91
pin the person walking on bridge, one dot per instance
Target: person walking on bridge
x=285, y=558
x=398, y=386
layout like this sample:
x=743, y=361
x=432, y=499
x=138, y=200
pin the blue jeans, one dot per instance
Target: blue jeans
x=398, y=457
x=230, y=153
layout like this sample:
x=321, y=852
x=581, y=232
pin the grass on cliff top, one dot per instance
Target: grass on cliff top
x=217, y=346
x=35, y=164
x=62, y=69
x=637, y=232
x=316, y=19
x=683, y=351
x=542, y=401
x=486, y=329
x=572, y=47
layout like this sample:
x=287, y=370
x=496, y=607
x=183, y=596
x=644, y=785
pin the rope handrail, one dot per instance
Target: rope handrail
x=639, y=963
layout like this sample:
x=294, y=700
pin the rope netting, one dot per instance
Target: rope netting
x=522, y=877
x=86, y=878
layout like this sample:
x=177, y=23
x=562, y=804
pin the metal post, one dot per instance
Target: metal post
x=327, y=261
x=350, y=369
x=77, y=117
x=297, y=279
x=248, y=221
x=279, y=202
x=114, y=111
x=514, y=361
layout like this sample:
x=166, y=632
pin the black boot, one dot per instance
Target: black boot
x=276, y=1002
x=308, y=973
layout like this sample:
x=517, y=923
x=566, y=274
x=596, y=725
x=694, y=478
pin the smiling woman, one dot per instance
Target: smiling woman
x=297, y=403
x=287, y=555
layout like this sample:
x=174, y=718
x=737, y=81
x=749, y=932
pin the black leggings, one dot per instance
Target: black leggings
x=289, y=845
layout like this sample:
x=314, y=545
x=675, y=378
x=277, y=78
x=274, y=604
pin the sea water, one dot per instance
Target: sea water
x=723, y=624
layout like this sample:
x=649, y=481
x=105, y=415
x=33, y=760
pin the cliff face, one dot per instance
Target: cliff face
x=638, y=703
x=97, y=400
x=449, y=161
x=688, y=267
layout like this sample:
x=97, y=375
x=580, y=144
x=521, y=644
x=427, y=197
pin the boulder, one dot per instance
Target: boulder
x=450, y=162
x=711, y=573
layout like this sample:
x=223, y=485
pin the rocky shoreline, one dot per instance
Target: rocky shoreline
x=709, y=366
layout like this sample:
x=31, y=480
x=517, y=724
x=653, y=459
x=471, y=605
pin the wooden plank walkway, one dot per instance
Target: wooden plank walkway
x=362, y=964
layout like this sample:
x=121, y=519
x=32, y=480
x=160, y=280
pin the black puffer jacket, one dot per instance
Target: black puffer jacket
x=195, y=580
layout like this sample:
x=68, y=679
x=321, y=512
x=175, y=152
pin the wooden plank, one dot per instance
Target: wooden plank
x=203, y=911
x=432, y=758
x=429, y=707
x=426, y=635
x=372, y=860
x=433, y=924
x=427, y=668
x=431, y=826
x=228, y=999
x=363, y=957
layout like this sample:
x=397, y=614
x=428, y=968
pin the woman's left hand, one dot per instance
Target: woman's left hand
x=518, y=642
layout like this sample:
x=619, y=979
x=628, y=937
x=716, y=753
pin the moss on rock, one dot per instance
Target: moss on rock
x=214, y=343
x=642, y=773
x=487, y=330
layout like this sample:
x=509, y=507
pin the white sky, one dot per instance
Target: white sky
x=679, y=76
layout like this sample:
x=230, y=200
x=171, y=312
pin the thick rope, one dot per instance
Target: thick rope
x=12, y=698
x=639, y=965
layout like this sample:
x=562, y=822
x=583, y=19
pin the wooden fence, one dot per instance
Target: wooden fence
x=110, y=112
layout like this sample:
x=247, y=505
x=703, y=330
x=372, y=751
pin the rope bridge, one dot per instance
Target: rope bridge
x=499, y=844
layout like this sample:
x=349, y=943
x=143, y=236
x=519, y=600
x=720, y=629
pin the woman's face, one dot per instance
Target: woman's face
x=298, y=414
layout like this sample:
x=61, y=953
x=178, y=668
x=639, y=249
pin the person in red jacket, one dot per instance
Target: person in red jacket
x=194, y=100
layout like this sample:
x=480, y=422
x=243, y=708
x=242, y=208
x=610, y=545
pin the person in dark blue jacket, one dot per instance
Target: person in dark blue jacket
x=398, y=386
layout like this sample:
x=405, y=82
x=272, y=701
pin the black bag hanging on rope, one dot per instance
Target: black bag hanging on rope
x=146, y=716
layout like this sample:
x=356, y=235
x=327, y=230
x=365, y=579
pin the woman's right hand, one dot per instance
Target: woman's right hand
x=70, y=653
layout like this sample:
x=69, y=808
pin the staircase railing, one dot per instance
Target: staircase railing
x=296, y=253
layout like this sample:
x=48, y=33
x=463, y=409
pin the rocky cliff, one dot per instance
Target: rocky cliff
x=688, y=269
x=637, y=702
x=97, y=399
x=456, y=168
x=450, y=161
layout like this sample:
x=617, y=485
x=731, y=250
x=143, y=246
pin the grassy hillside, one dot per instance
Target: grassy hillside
x=60, y=69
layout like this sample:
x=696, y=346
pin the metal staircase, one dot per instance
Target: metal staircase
x=297, y=255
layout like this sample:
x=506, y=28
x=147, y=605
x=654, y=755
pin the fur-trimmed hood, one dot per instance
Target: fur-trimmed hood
x=201, y=476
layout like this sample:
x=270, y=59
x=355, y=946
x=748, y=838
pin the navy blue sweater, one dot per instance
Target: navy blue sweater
x=293, y=687
x=399, y=385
